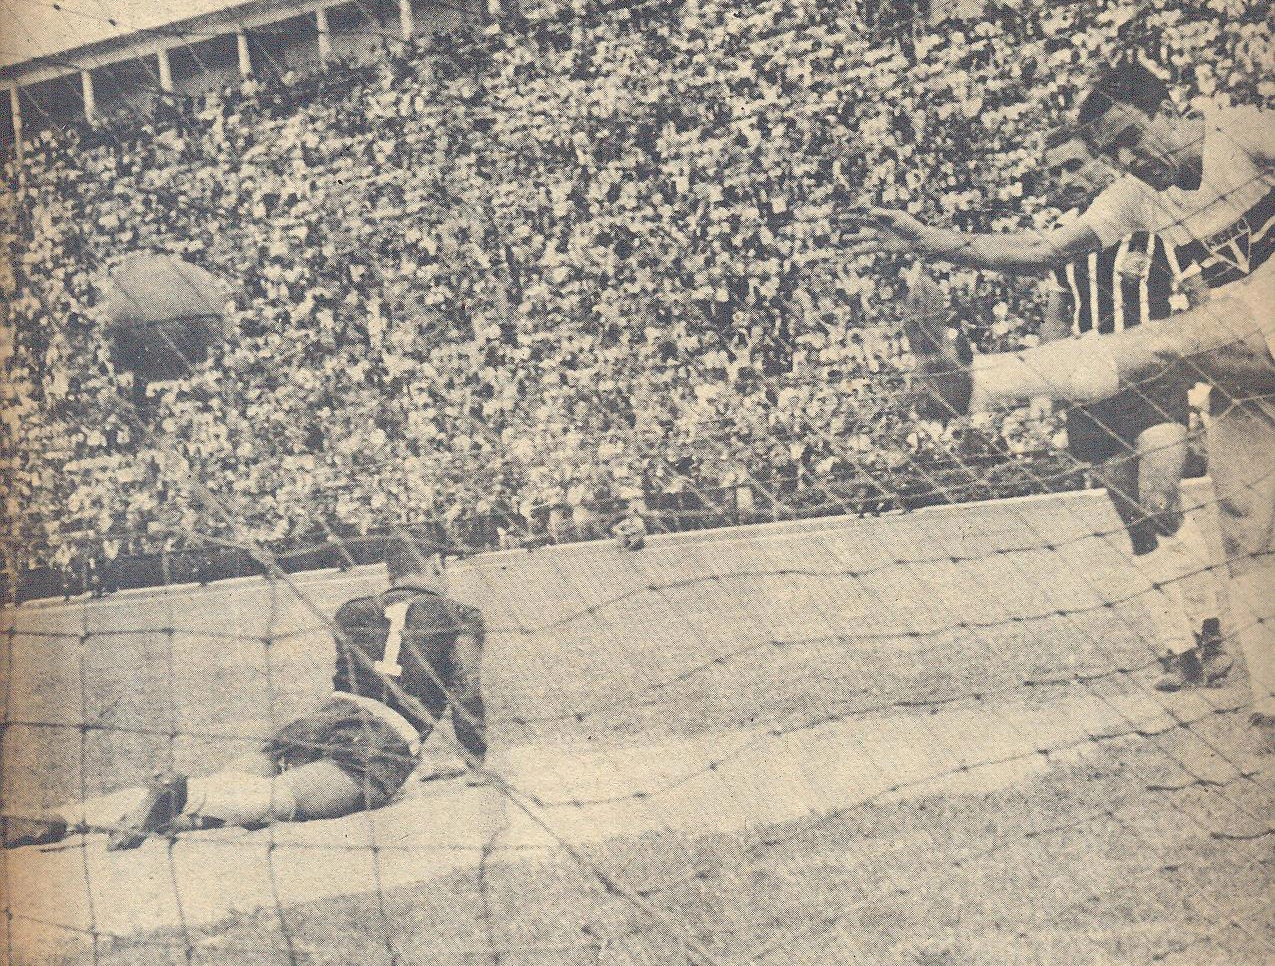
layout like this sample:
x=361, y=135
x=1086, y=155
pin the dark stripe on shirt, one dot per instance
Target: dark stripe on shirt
x=1154, y=285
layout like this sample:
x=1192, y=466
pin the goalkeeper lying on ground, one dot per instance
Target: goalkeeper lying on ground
x=401, y=658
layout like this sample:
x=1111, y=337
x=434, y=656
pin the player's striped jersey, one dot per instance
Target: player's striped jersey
x=1121, y=286
x=1234, y=252
x=403, y=637
x=1226, y=221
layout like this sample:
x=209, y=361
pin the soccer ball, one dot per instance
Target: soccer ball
x=163, y=315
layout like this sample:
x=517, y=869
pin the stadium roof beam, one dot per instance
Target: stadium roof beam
x=90, y=102
x=165, y=70
x=245, y=56
x=144, y=42
x=406, y=20
x=325, y=34
x=15, y=110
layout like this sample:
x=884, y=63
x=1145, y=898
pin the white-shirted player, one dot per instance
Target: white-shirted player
x=1204, y=181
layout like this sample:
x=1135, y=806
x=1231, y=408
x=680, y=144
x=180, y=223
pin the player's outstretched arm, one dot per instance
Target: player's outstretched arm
x=891, y=231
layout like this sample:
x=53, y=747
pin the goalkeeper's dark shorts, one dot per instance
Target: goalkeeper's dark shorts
x=363, y=745
x=1108, y=430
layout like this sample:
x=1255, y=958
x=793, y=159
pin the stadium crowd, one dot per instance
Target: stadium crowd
x=546, y=267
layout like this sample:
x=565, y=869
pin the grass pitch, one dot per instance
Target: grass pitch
x=925, y=739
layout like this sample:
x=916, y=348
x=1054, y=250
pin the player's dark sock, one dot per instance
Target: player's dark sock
x=1215, y=663
x=1211, y=636
x=1143, y=537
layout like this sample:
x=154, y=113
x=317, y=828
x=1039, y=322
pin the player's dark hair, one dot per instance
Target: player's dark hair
x=1128, y=82
x=408, y=555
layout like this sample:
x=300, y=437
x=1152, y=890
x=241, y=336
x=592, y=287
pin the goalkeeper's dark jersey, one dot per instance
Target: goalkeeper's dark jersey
x=1103, y=294
x=406, y=636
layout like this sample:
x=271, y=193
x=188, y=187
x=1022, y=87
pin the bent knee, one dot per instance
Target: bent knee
x=324, y=790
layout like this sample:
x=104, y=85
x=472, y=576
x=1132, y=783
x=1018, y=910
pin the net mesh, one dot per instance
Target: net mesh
x=867, y=687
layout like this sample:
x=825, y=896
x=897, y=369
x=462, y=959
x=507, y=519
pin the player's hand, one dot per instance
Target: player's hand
x=883, y=230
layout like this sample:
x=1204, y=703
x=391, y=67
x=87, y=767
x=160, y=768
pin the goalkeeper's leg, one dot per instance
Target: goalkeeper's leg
x=320, y=789
x=247, y=792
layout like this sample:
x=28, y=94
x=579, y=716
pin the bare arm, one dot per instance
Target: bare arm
x=1023, y=253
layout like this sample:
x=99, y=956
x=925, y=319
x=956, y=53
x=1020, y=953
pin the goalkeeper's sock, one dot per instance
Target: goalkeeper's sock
x=1191, y=569
x=1186, y=609
x=238, y=798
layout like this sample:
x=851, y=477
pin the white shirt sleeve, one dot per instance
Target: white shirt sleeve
x=1118, y=211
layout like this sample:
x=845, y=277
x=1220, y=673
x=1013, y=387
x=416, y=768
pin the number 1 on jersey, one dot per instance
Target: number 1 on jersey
x=388, y=665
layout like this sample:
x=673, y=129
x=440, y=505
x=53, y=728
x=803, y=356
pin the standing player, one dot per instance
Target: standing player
x=1203, y=181
x=401, y=658
x=1135, y=442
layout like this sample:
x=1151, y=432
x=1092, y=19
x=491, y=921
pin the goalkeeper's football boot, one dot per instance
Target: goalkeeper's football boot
x=18, y=833
x=1181, y=671
x=1205, y=664
x=161, y=805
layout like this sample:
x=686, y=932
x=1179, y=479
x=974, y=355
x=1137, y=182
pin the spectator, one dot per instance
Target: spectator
x=548, y=263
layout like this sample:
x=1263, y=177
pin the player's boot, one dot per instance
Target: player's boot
x=1181, y=671
x=1215, y=663
x=942, y=357
x=161, y=805
x=18, y=833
